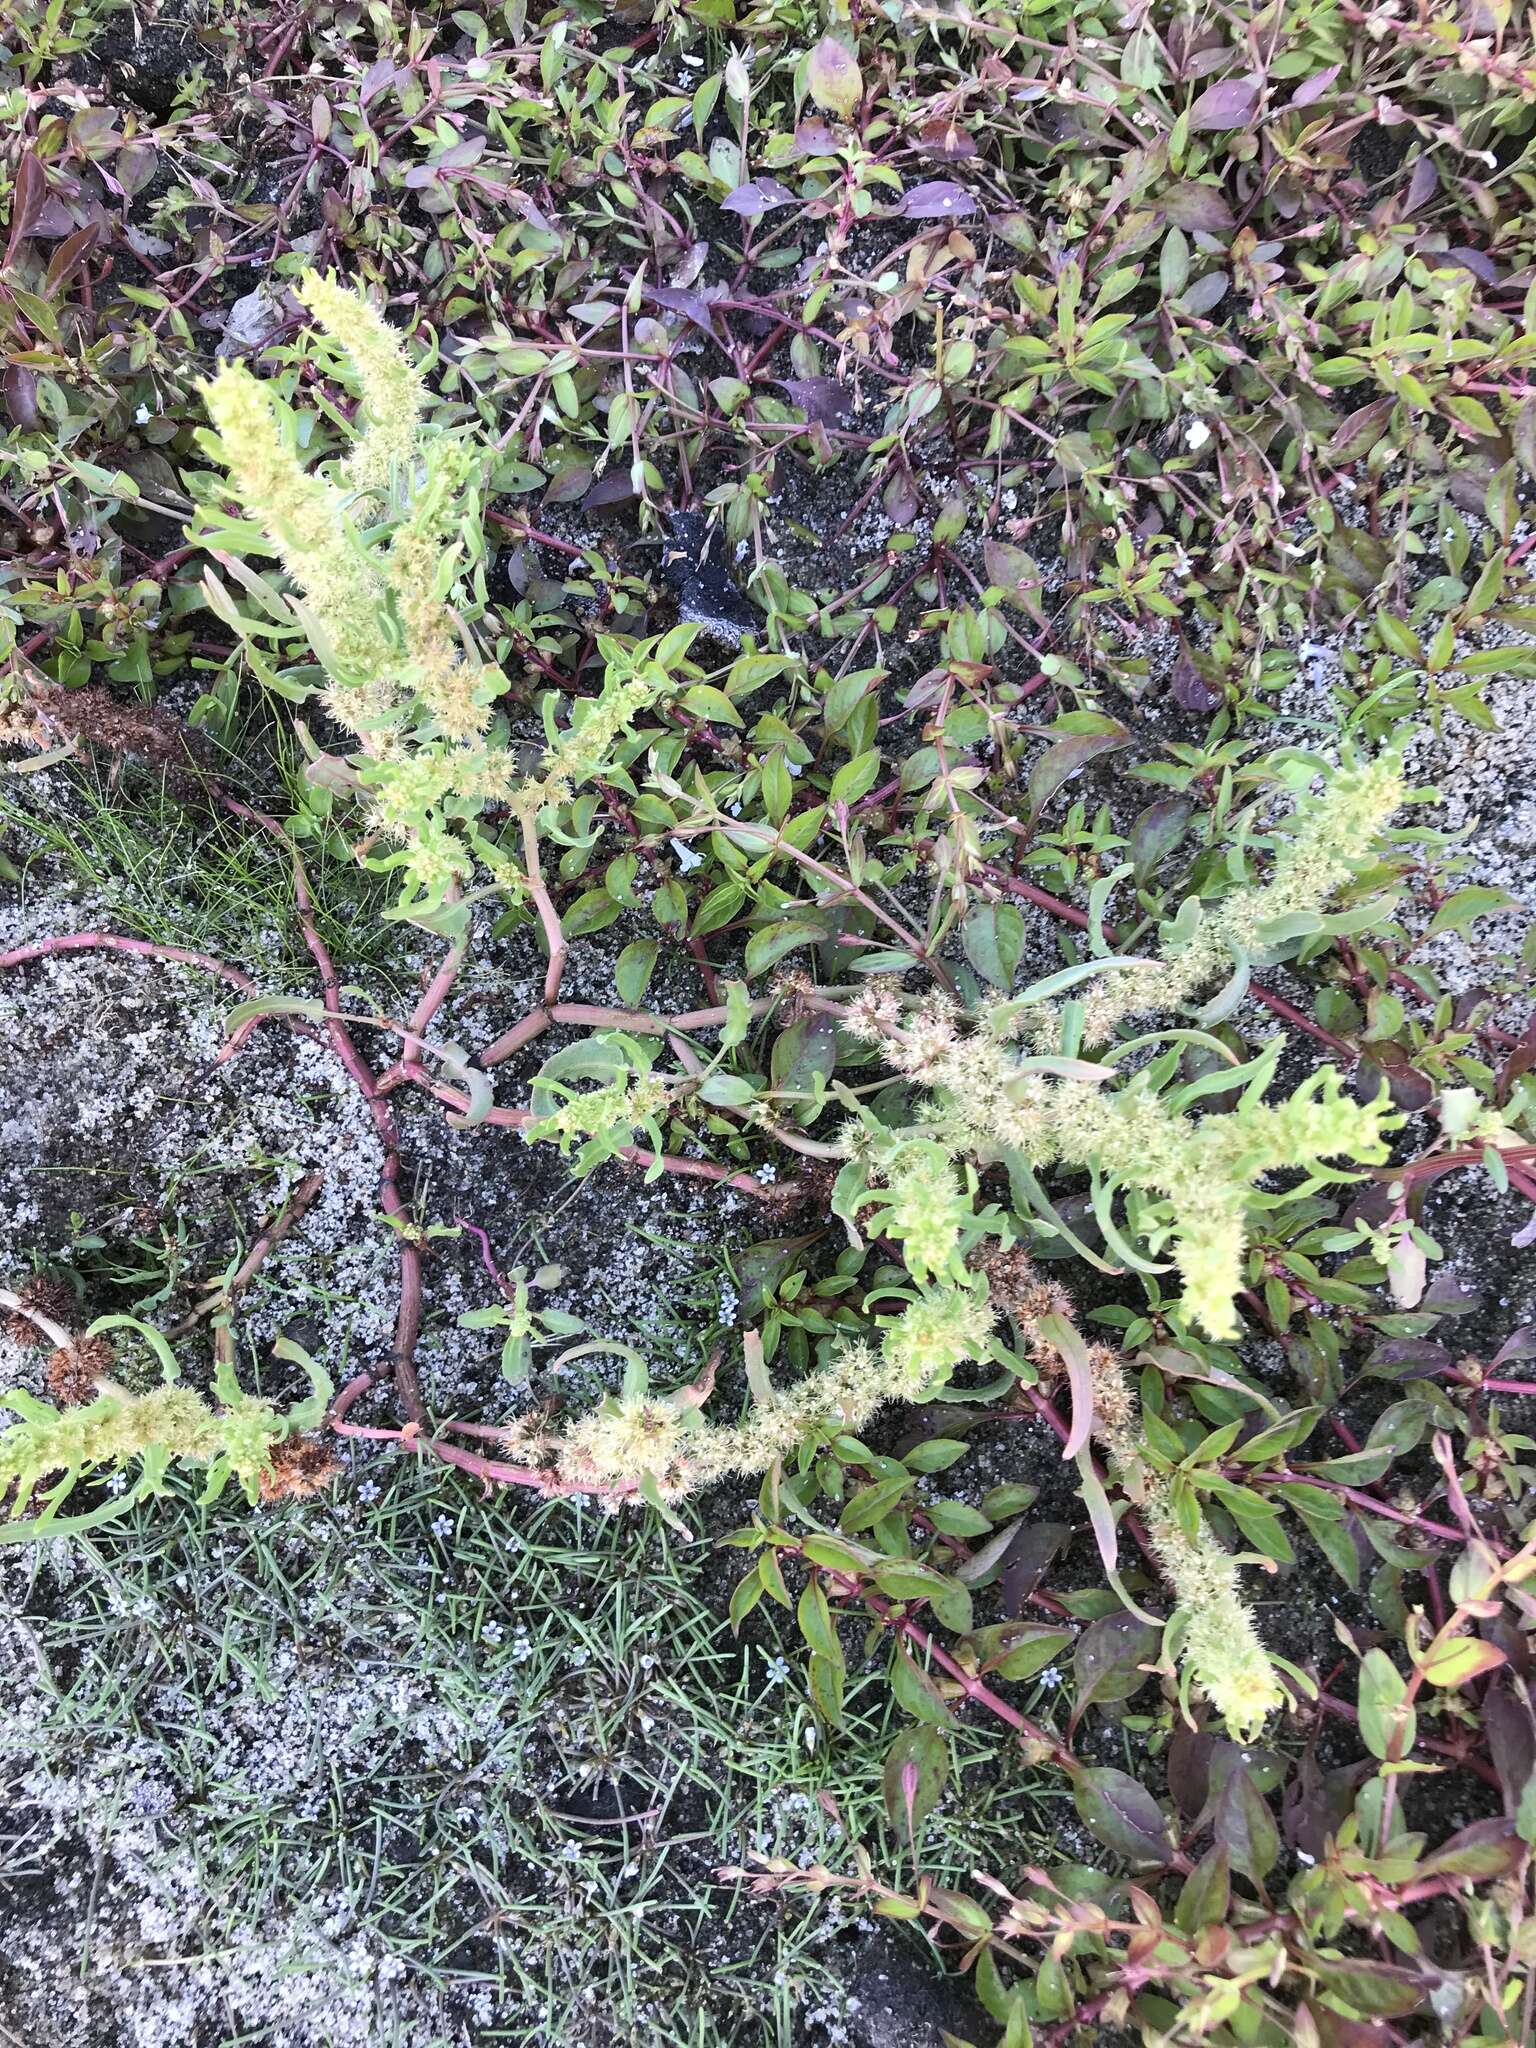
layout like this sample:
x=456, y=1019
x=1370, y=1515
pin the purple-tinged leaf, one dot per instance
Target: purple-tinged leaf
x=20, y=389
x=1316, y=1805
x=1069, y=757
x=941, y=138
x=1205, y=294
x=28, y=194
x=1481, y=265
x=937, y=199
x=1510, y=1729
x=1026, y=1561
x=1123, y=1816
x=381, y=72
x=693, y=306
x=820, y=398
x=814, y=138
x=1484, y=1849
x=1108, y=1662
x=1313, y=88
x=1519, y=1343
x=134, y=166
x=1189, y=1763
x=1198, y=209
x=834, y=78
x=1230, y=104
x=615, y=487
x=1422, y=185
x=458, y=156
x=1157, y=831
x=758, y=195
x=1189, y=688
x=68, y=258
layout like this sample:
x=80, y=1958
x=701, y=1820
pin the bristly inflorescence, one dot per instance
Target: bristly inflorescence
x=100, y=1426
x=376, y=546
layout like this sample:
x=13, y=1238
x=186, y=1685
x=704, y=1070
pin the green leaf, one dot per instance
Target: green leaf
x=633, y=969
x=1245, y=1827
x=993, y=938
x=1473, y=901
x=1017, y=1649
x=916, y=1772
x=856, y=778
x=814, y=1615
x=767, y=947
x=903, y=1580
x=1459, y=1661
x=1206, y=1893
x=718, y=908
x=915, y=1691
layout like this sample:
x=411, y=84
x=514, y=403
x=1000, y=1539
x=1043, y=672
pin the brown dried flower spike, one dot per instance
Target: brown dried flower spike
x=73, y=1370
x=301, y=1466
x=51, y=1298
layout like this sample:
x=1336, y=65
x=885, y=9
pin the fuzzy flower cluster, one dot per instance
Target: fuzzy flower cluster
x=992, y=1099
x=637, y=1441
x=375, y=550
x=1217, y=1640
x=990, y=1103
x=169, y=1424
x=1317, y=848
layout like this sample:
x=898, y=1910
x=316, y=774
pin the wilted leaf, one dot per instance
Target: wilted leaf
x=835, y=81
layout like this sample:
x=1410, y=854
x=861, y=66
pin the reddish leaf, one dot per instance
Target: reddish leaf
x=1108, y=1662
x=1510, y=1729
x=1188, y=687
x=1026, y=1561
x=20, y=387
x=27, y=196
x=938, y=138
x=1123, y=1816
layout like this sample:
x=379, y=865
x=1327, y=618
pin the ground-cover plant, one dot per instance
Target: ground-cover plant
x=1059, y=389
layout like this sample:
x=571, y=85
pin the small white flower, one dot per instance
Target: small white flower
x=141, y=415
x=687, y=859
x=1196, y=434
